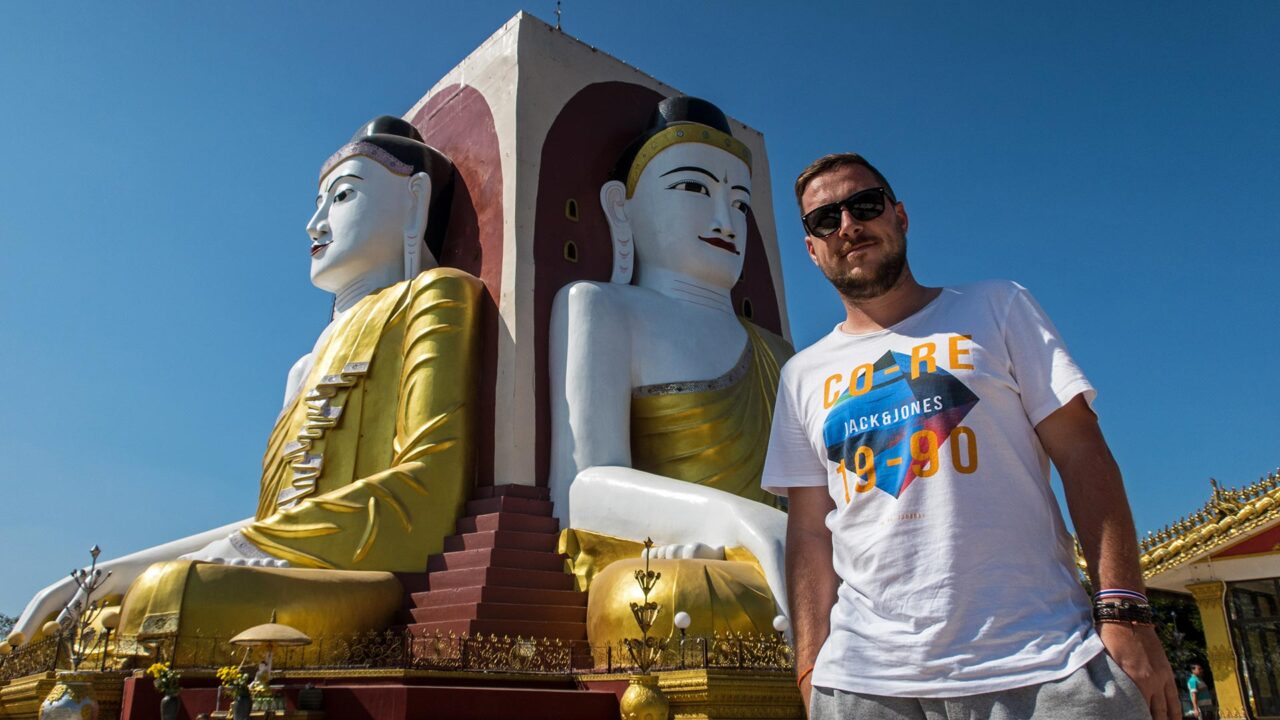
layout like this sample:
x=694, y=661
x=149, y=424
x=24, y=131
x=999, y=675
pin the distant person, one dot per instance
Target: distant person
x=930, y=573
x=1198, y=689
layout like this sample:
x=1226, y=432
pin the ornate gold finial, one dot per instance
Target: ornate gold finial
x=643, y=699
x=1224, y=502
x=646, y=650
x=74, y=626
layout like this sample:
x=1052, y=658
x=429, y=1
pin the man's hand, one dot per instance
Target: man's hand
x=1137, y=650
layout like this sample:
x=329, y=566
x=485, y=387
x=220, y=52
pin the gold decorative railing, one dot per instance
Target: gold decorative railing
x=37, y=657
x=408, y=650
x=726, y=651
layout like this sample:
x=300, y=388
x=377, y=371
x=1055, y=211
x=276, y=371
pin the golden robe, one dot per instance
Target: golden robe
x=713, y=432
x=370, y=466
x=365, y=473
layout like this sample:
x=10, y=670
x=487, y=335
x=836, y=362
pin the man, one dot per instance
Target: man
x=1198, y=689
x=930, y=574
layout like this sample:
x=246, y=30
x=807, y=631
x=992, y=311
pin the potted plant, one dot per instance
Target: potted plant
x=167, y=682
x=235, y=685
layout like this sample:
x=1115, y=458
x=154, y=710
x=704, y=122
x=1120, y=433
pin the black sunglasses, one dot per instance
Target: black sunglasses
x=863, y=205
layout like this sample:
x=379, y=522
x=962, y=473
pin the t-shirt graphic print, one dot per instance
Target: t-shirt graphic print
x=888, y=427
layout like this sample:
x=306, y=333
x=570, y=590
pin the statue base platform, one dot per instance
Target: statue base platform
x=397, y=695
x=20, y=698
x=701, y=694
x=718, y=694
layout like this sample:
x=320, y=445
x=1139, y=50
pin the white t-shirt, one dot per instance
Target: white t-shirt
x=957, y=573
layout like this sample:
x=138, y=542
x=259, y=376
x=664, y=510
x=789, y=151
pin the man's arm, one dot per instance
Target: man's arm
x=811, y=576
x=1100, y=512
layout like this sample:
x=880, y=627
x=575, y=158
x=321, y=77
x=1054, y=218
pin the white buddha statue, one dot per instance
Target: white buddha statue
x=662, y=397
x=372, y=457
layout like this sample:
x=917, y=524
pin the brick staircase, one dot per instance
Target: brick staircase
x=500, y=574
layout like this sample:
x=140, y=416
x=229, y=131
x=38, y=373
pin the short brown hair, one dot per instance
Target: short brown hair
x=827, y=163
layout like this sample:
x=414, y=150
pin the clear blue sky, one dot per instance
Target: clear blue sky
x=1119, y=159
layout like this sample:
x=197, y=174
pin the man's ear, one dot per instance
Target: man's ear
x=613, y=200
x=901, y=211
x=808, y=244
x=416, y=256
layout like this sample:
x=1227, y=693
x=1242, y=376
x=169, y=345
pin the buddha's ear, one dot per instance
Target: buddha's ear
x=613, y=200
x=416, y=256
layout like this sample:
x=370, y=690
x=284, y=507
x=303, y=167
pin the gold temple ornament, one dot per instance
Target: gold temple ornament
x=74, y=629
x=643, y=700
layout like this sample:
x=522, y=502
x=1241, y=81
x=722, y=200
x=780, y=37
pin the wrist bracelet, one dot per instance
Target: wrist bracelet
x=1120, y=593
x=1126, y=612
x=803, y=675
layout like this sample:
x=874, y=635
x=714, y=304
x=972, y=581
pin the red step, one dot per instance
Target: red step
x=494, y=521
x=513, y=539
x=501, y=576
x=511, y=628
x=501, y=611
x=492, y=594
x=509, y=503
x=524, y=491
x=496, y=557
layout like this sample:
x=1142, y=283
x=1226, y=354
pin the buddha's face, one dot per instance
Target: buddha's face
x=689, y=213
x=359, y=224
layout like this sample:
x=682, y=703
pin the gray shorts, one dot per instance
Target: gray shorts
x=1098, y=690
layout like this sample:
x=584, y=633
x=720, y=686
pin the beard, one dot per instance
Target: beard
x=875, y=280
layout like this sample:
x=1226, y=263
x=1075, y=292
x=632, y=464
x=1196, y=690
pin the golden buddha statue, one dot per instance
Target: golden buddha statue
x=372, y=456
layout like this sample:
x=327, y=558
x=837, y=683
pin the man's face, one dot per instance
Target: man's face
x=863, y=260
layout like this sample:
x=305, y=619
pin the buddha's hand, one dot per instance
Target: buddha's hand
x=235, y=550
x=689, y=551
x=68, y=599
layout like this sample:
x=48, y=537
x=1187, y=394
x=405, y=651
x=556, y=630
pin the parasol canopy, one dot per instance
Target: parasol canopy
x=272, y=634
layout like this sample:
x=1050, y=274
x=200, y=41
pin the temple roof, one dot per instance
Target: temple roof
x=1228, y=516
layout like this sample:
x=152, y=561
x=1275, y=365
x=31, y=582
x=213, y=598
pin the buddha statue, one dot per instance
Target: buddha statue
x=371, y=458
x=662, y=396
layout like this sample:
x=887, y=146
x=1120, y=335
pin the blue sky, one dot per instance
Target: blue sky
x=1118, y=159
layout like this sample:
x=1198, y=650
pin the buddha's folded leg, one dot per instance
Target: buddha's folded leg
x=632, y=503
x=53, y=599
x=721, y=596
x=199, y=606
